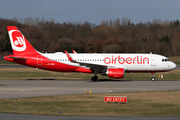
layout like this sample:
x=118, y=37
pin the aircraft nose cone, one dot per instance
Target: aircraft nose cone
x=173, y=66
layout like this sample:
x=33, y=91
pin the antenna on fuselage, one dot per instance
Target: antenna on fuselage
x=150, y=52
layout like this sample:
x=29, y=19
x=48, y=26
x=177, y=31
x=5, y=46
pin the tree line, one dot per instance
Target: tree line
x=111, y=36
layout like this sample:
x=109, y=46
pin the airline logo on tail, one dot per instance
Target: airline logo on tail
x=17, y=40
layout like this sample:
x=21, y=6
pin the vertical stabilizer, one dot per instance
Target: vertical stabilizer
x=19, y=43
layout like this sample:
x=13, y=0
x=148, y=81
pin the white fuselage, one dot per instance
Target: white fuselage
x=130, y=62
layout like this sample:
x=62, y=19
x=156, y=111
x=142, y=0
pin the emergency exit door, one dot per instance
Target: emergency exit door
x=153, y=61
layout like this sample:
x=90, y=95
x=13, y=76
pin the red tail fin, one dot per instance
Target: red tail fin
x=19, y=43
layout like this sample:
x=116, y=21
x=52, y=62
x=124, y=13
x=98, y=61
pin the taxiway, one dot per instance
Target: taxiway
x=48, y=87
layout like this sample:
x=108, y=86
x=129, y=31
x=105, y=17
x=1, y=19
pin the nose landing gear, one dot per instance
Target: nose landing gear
x=152, y=77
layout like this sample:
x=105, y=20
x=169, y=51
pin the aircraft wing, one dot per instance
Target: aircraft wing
x=101, y=68
x=90, y=65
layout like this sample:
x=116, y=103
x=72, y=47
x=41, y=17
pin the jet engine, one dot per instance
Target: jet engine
x=116, y=73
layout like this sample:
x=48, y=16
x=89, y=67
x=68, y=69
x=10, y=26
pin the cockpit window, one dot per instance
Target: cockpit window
x=165, y=60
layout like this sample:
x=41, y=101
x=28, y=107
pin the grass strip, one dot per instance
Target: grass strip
x=4, y=62
x=154, y=103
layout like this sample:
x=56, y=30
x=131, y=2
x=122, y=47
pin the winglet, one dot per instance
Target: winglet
x=69, y=57
x=74, y=52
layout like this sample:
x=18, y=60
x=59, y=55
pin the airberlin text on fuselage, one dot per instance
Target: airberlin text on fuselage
x=127, y=60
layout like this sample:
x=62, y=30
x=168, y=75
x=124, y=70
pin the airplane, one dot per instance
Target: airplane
x=111, y=65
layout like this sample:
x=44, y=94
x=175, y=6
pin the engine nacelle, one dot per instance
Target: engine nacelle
x=116, y=73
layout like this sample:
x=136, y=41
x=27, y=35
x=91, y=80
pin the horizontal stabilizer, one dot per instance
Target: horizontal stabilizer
x=17, y=58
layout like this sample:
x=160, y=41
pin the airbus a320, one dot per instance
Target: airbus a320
x=111, y=65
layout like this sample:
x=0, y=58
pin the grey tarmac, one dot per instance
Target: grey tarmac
x=48, y=87
x=5, y=116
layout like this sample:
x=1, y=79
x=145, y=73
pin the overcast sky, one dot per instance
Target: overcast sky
x=93, y=11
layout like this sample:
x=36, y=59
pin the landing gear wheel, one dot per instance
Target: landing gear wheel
x=94, y=78
x=153, y=79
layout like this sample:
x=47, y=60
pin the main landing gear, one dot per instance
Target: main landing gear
x=94, y=78
x=152, y=77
